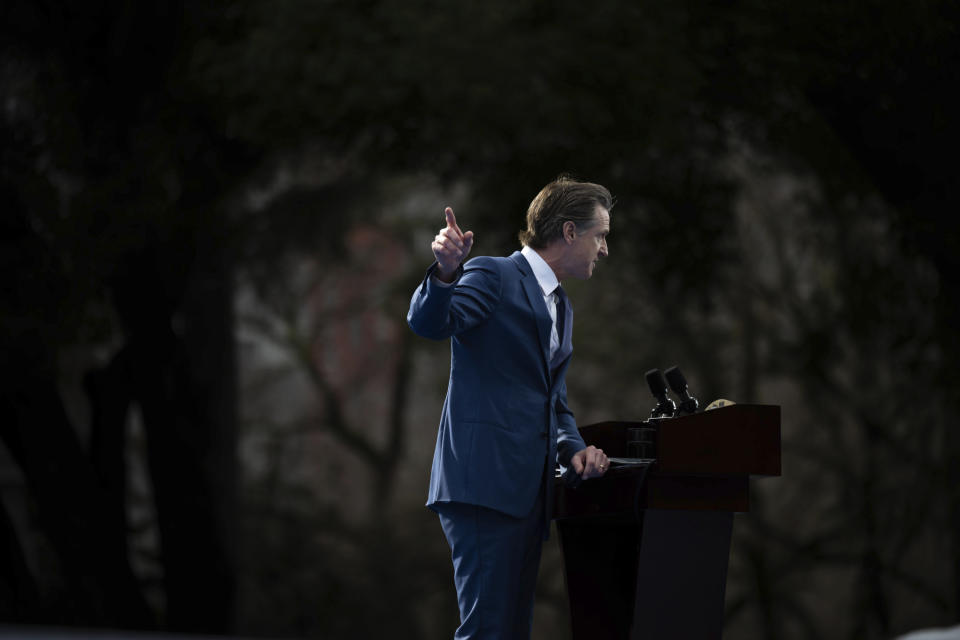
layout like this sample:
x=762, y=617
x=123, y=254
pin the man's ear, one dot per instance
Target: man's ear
x=569, y=231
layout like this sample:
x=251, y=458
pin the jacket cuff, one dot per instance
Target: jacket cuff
x=432, y=279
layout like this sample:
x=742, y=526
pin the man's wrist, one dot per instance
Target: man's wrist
x=438, y=276
x=445, y=277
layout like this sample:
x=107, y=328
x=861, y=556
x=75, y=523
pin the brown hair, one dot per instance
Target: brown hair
x=563, y=200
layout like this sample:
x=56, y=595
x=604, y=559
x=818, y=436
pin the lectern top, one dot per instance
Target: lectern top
x=740, y=439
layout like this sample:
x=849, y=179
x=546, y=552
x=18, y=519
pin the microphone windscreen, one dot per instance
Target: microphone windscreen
x=677, y=382
x=719, y=403
x=658, y=387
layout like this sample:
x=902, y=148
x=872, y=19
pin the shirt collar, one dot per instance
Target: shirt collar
x=546, y=278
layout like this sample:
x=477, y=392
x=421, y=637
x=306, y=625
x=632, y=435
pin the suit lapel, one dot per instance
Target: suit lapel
x=535, y=297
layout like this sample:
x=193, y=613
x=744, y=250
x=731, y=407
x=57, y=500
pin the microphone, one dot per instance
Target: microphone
x=688, y=404
x=665, y=406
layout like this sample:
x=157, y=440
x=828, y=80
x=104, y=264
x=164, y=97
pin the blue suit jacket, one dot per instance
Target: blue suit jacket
x=505, y=419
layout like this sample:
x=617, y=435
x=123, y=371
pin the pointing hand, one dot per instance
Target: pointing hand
x=451, y=247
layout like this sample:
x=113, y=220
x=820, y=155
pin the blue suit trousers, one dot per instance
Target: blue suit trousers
x=496, y=558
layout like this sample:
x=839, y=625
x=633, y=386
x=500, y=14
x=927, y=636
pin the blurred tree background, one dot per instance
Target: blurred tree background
x=213, y=417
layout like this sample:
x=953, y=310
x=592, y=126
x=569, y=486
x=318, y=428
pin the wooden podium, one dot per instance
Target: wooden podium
x=646, y=547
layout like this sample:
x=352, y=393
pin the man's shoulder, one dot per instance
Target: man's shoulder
x=501, y=264
x=499, y=269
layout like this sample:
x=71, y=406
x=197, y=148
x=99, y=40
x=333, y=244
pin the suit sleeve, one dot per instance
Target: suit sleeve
x=438, y=312
x=569, y=440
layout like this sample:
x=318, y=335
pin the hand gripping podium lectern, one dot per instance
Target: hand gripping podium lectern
x=646, y=547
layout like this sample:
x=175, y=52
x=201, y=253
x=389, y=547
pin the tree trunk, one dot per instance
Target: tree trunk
x=183, y=372
x=101, y=587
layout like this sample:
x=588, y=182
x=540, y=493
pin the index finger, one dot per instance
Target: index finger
x=452, y=221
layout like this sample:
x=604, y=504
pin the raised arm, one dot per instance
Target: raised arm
x=451, y=300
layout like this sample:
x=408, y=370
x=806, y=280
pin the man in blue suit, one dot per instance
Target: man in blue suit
x=505, y=422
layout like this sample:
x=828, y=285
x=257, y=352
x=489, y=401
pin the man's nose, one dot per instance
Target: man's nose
x=603, y=249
